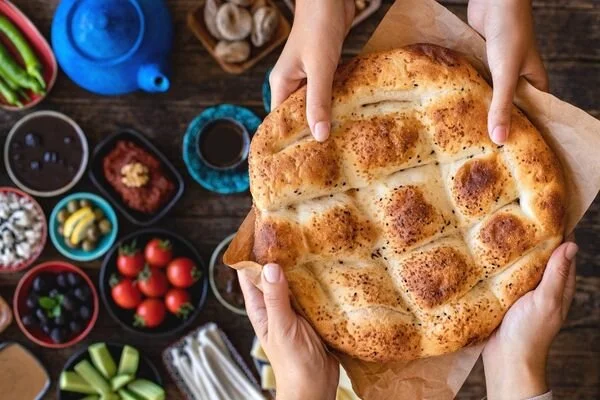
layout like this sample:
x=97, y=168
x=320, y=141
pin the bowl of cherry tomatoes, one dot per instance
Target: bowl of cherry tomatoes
x=153, y=282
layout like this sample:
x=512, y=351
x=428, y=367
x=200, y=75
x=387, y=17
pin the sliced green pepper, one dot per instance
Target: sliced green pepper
x=9, y=95
x=32, y=63
x=16, y=73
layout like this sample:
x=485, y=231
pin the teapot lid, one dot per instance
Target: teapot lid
x=106, y=30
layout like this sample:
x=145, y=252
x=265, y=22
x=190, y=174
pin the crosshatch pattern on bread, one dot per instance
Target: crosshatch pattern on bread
x=408, y=233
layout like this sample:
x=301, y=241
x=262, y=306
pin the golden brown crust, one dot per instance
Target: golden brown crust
x=408, y=233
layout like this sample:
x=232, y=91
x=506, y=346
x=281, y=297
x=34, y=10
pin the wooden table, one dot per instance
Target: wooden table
x=568, y=33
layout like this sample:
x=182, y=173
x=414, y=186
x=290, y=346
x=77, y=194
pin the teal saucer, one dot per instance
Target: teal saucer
x=219, y=181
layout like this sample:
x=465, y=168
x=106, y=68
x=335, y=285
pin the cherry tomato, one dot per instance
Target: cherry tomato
x=150, y=313
x=182, y=272
x=125, y=293
x=153, y=282
x=178, y=302
x=130, y=261
x=158, y=253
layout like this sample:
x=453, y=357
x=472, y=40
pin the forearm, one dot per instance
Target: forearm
x=514, y=378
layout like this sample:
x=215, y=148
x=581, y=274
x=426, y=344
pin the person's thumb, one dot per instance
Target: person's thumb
x=318, y=100
x=557, y=273
x=280, y=314
x=504, y=78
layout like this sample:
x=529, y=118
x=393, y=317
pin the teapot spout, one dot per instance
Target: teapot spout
x=152, y=79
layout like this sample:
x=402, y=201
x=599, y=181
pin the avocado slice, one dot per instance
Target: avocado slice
x=102, y=360
x=130, y=359
x=93, y=377
x=71, y=382
x=119, y=381
x=146, y=389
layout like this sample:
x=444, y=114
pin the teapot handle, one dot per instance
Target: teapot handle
x=152, y=79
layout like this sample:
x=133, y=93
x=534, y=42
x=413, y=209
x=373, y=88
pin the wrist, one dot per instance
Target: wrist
x=297, y=387
x=514, y=376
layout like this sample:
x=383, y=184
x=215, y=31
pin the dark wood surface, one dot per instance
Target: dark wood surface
x=568, y=32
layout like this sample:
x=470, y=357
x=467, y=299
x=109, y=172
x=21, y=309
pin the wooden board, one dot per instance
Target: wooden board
x=568, y=31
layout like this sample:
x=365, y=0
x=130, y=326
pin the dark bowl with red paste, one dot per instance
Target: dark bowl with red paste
x=135, y=177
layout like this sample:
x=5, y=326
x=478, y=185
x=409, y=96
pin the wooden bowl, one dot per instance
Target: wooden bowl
x=197, y=25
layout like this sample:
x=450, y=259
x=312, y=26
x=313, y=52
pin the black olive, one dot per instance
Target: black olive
x=69, y=303
x=29, y=320
x=41, y=316
x=82, y=293
x=58, y=335
x=40, y=284
x=60, y=320
x=47, y=328
x=61, y=280
x=54, y=293
x=32, y=301
x=74, y=279
x=75, y=326
x=85, y=313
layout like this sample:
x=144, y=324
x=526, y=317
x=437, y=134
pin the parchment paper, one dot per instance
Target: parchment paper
x=573, y=134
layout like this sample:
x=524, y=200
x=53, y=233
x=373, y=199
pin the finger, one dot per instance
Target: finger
x=535, y=72
x=319, y=80
x=570, y=285
x=504, y=78
x=554, y=281
x=255, y=305
x=282, y=85
x=280, y=314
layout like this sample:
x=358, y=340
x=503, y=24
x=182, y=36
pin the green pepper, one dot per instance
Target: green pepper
x=32, y=64
x=9, y=94
x=13, y=85
x=16, y=73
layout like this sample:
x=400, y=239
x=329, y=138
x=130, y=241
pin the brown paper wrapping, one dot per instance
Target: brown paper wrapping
x=573, y=134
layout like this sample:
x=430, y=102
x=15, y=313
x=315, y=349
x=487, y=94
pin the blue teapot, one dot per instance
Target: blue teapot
x=113, y=47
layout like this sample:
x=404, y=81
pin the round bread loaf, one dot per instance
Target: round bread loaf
x=408, y=233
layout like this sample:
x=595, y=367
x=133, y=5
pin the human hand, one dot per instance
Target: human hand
x=312, y=52
x=303, y=367
x=507, y=26
x=514, y=357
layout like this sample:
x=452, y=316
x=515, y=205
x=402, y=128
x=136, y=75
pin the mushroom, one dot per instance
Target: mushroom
x=233, y=52
x=210, y=17
x=264, y=24
x=242, y=3
x=233, y=22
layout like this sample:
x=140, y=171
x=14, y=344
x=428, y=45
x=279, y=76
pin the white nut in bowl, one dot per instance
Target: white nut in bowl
x=264, y=24
x=233, y=52
x=242, y=3
x=210, y=17
x=233, y=22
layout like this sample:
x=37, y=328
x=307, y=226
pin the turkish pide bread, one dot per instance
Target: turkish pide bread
x=408, y=233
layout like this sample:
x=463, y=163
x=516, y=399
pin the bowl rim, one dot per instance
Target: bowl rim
x=18, y=294
x=96, y=253
x=44, y=239
x=105, y=293
x=84, y=157
x=211, y=273
x=151, y=365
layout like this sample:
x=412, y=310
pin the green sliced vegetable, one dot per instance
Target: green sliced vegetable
x=146, y=389
x=130, y=359
x=92, y=376
x=110, y=396
x=91, y=397
x=102, y=360
x=127, y=395
x=72, y=382
x=9, y=94
x=119, y=381
x=16, y=73
x=32, y=63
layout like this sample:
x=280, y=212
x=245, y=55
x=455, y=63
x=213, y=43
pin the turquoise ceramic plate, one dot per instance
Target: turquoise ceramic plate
x=266, y=91
x=219, y=181
x=105, y=241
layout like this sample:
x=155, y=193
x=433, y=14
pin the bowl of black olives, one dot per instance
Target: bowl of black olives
x=55, y=304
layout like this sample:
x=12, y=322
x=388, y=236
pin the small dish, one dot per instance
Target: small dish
x=23, y=289
x=181, y=248
x=219, y=181
x=146, y=369
x=216, y=261
x=43, y=234
x=41, y=48
x=37, y=162
x=105, y=242
x=360, y=16
x=223, y=144
x=36, y=380
x=198, y=27
x=96, y=174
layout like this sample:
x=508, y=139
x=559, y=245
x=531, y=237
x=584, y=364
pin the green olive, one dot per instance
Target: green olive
x=93, y=233
x=72, y=206
x=61, y=230
x=105, y=226
x=88, y=245
x=62, y=216
x=84, y=203
x=99, y=214
x=69, y=244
